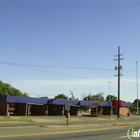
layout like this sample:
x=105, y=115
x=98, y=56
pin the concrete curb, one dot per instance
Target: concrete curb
x=88, y=125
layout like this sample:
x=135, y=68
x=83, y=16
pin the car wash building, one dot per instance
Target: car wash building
x=28, y=106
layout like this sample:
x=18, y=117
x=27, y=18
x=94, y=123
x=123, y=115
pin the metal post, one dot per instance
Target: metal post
x=97, y=111
x=67, y=118
x=26, y=110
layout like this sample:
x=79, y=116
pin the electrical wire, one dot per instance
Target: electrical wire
x=129, y=82
x=137, y=2
x=40, y=25
x=42, y=54
x=56, y=73
x=67, y=67
x=50, y=55
x=21, y=17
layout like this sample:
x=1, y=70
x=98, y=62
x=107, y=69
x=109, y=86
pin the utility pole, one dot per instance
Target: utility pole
x=109, y=89
x=110, y=97
x=119, y=74
x=137, y=88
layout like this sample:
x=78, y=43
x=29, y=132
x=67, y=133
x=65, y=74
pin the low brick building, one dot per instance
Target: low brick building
x=39, y=106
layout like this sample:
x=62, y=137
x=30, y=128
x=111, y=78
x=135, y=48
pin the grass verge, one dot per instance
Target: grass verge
x=15, y=119
x=111, y=117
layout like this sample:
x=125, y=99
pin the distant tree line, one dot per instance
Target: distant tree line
x=101, y=95
x=8, y=90
x=88, y=97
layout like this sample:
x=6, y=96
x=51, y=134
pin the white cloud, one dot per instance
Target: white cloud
x=72, y=82
x=51, y=88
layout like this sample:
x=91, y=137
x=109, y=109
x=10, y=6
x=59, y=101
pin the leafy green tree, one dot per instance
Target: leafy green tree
x=101, y=94
x=133, y=107
x=25, y=94
x=8, y=90
x=135, y=101
x=60, y=96
x=89, y=97
x=44, y=97
x=110, y=97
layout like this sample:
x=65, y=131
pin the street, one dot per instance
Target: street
x=79, y=128
x=84, y=133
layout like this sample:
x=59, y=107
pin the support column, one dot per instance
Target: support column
x=4, y=109
x=29, y=106
x=47, y=110
x=111, y=111
x=101, y=110
x=63, y=111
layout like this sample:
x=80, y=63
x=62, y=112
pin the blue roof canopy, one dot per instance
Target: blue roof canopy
x=18, y=99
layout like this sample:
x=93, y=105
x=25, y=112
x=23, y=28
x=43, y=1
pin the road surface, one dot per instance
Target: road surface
x=37, y=132
x=79, y=128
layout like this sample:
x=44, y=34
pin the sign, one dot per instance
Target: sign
x=96, y=100
x=67, y=107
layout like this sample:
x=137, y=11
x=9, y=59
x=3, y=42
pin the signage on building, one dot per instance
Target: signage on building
x=96, y=100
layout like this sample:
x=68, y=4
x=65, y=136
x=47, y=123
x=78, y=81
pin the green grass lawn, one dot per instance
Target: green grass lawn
x=15, y=119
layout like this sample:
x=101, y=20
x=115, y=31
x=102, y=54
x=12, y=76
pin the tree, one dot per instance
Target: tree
x=101, y=94
x=110, y=97
x=44, y=97
x=89, y=97
x=135, y=101
x=83, y=95
x=133, y=107
x=8, y=90
x=61, y=96
x=25, y=94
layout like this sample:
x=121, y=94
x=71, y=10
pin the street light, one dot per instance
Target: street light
x=73, y=98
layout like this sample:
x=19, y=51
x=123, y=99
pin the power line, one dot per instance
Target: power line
x=13, y=13
x=20, y=16
x=128, y=82
x=137, y=2
x=40, y=25
x=39, y=53
x=43, y=54
x=50, y=55
x=56, y=73
x=66, y=67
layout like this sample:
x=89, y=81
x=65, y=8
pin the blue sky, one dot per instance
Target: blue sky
x=49, y=47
